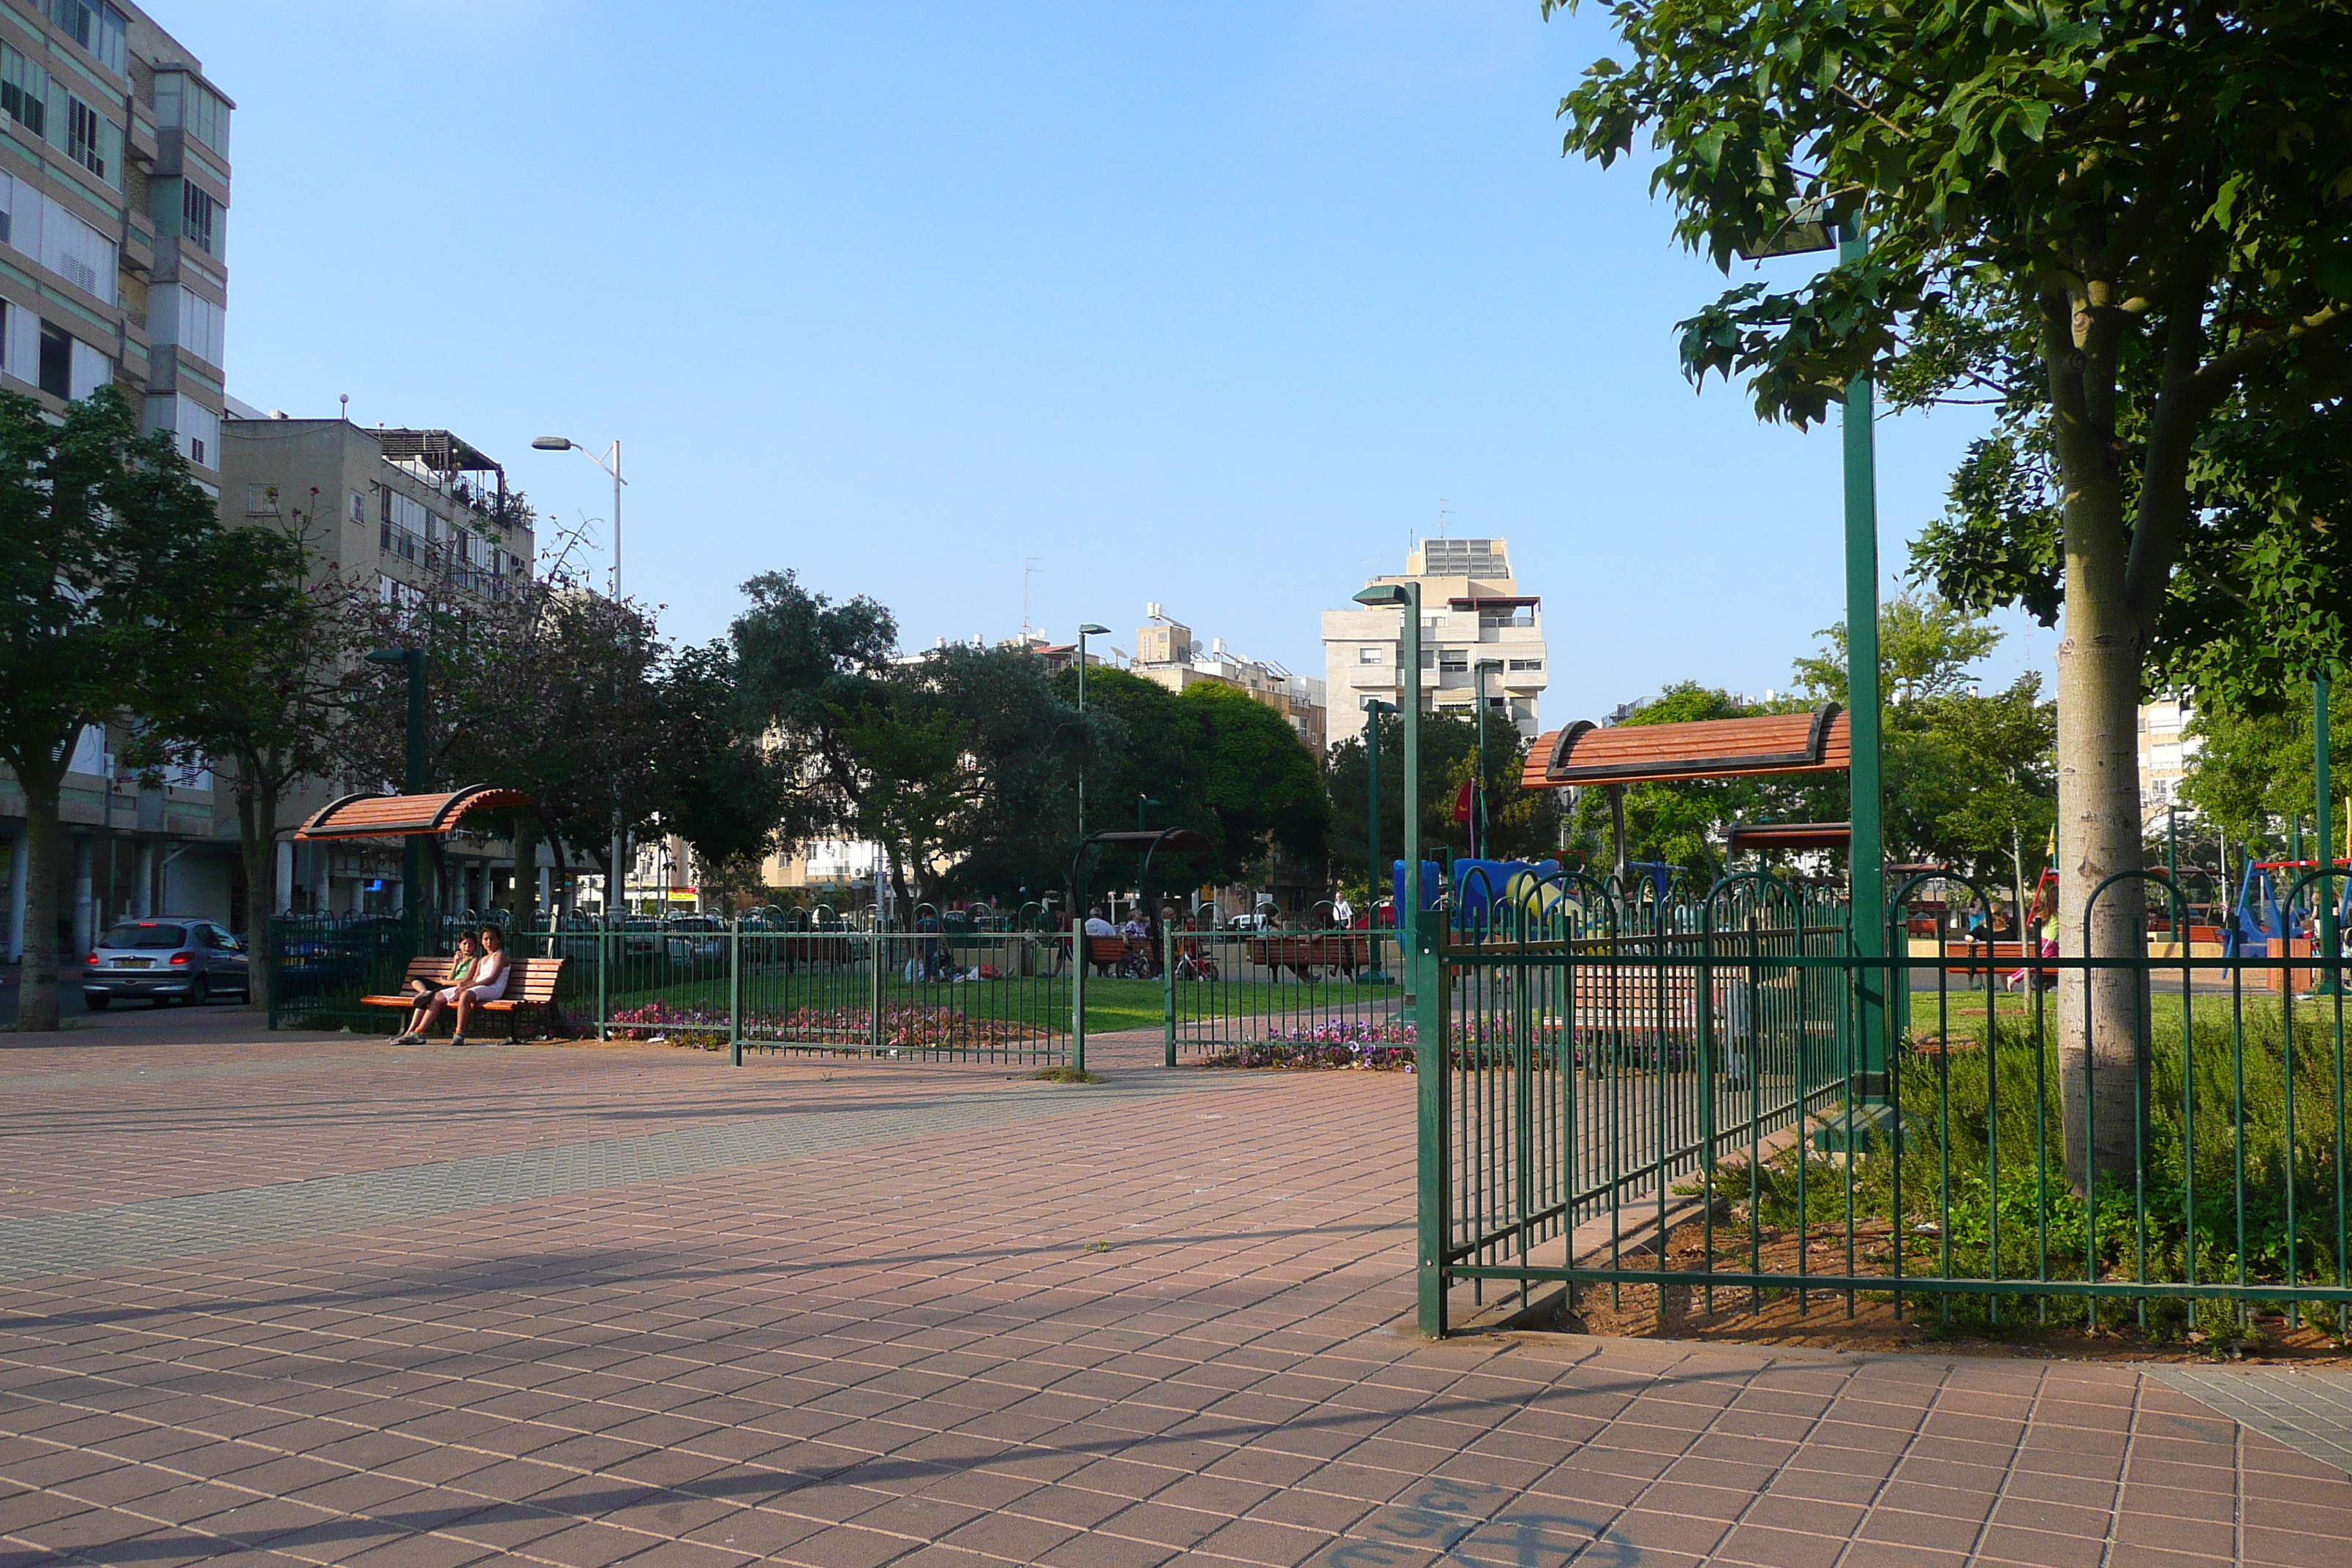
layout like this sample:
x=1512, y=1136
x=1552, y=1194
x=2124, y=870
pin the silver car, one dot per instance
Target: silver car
x=167, y=959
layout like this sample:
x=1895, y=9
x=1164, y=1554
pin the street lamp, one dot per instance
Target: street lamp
x=411, y=846
x=613, y=895
x=1479, y=827
x=1406, y=596
x=1086, y=630
x=1373, y=708
x=611, y=464
x=1184, y=839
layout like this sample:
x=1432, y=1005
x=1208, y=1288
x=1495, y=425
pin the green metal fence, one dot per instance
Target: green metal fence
x=1673, y=1099
x=1281, y=996
x=947, y=994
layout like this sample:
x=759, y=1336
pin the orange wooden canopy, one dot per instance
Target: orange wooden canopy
x=399, y=816
x=1586, y=754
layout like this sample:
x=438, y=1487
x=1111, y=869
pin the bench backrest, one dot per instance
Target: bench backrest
x=1105, y=949
x=533, y=979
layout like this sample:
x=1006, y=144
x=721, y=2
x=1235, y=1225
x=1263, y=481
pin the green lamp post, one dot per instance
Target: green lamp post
x=415, y=781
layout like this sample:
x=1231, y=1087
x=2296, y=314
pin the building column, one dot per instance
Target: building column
x=284, y=902
x=84, y=935
x=18, y=847
x=142, y=891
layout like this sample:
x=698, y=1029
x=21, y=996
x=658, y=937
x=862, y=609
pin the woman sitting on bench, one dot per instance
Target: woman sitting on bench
x=461, y=971
x=485, y=980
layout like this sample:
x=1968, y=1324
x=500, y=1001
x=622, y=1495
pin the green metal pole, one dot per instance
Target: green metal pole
x=1409, y=916
x=2328, y=889
x=1372, y=810
x=2172, y=867
x=416, y=782
x=1418, y=936
x=1168, y=991
x=735, y=992
x=1866, y=867
x=1078, y=962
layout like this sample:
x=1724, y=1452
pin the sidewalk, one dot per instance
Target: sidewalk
x=310, y=1299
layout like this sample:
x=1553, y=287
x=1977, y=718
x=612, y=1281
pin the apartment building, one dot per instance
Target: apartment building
x=421, y=514
x=1167, y=652
x=114, y=196
x=1471, y=611
x=2164, y=748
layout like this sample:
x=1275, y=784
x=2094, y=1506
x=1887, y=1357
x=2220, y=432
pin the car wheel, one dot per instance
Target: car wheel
x=97, y=1004
x=202, y=991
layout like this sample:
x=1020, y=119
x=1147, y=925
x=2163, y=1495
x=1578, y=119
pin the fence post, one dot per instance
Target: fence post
x=735, y=992
x=1077, y=990
x=873, y=1023
x=604, y=974
x=1168, y=986
x=1424, y=978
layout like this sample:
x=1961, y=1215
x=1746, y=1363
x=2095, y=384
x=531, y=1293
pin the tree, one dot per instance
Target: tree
x=716, y=783
x=273, y=656
x=2253, y=775
x=1522, y=825
x=802, y=665
x=2126, y=228
x=1971, y=781
x=109, y=560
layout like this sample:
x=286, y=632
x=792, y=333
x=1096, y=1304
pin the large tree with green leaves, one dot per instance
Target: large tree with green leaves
x=1521, y=824
x=111, y=560
x=2130, y=227
x=267, y=704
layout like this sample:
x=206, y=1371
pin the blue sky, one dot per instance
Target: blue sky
x=1211, y=305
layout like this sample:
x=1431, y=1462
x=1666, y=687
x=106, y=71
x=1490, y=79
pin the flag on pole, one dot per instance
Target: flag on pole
x=1462, y=802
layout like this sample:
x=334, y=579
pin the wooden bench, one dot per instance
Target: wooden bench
x=1307, y=953
x=531, y=983
x=2002, y=958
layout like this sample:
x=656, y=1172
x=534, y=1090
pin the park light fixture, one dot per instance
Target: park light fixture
x=1406, y=596
x=552, y=443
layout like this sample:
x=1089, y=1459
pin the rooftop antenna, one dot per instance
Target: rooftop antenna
x=1440, y=517
x=1028, y=570
x=347, y=407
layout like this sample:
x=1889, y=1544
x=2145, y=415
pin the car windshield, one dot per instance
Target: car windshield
x=146, y=933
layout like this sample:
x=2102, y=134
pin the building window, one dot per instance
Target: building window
x=1371, y=656
x=1454, y=661
x=57, y=362
x=1527, y=664
x=25, y=91
x=183, y=103
x=181, y=316
x=96, y=26
x=197, y=215
x=359, y=506
x=93, y=140
x=260, y=497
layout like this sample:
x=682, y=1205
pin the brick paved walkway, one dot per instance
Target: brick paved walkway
x=306, y=1298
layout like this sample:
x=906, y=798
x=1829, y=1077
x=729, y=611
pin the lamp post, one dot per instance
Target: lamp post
x=1478, y=800
x=1406, y=596
x=412, y=847
x=1181, y=838
x=1373, y=708
x=1086, y=630
x=2329, y=893
x=614, y=896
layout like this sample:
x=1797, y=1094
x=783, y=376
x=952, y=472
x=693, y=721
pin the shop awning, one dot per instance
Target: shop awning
x=1587, y=754
x=399, y=816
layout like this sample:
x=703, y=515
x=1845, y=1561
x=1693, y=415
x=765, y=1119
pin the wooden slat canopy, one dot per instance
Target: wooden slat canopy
x=399, y=816
x=1586, y=754
x=1789, y=836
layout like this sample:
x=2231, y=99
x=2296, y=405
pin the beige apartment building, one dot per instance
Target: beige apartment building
x=419, y=514
x=2164, y=748
x=1167, y=652
x=1471, y=611
x=114, y=196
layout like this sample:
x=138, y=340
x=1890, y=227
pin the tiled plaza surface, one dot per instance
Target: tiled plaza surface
x=310, y=1299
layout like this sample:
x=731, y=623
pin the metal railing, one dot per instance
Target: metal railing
x=1279, y=998
x=1678, y=1099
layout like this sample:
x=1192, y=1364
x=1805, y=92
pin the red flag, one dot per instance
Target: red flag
x=1462, y=803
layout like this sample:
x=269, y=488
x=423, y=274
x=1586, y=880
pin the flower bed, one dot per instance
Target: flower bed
x=1348, y=1043
x=904, y=1027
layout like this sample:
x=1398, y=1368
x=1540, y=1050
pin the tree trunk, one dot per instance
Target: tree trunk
x=36, y=992
x=2101, y=1013
x=257, y=842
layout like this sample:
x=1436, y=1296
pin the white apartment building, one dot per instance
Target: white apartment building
x=1167, y=654
x=2164, y=747
x=1471, y=611
x=114, y=192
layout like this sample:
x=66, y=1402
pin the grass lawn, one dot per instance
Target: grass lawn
x=1040, y=1000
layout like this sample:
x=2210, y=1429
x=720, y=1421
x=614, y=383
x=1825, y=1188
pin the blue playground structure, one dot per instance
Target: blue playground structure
x=2259, y=919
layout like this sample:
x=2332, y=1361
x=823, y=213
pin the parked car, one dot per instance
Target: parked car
x=169, y=959
x=687, y=938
